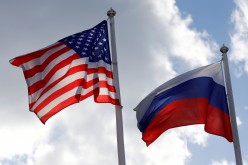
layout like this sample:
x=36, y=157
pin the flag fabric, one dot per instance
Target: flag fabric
x=195, y=97
x=69, y=71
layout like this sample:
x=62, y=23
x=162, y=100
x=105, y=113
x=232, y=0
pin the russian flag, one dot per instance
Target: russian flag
x=195, y=97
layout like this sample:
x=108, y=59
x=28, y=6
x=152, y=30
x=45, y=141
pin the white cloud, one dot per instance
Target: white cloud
x=163, y=68
x=239, y=36
x=85, y=133
x=169, y=148
x=225, y=162
x=18, y=140
x=222, y=162
x=19, y=143
x=180, y=41
x=239, y=122
x=175, y=150
x=195, y=134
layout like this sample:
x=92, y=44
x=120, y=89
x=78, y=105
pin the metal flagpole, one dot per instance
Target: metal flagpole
x=236, y=143
x=118, y=109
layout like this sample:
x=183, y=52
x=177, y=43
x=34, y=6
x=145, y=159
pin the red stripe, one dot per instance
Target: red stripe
x=104, y=71
x=68, y=87
x=41, y=67
x=218, y=123
x=102, y=98
x=71, y=71
x=188, y=112
x=30, y=56
x=58, y=93
x=106, y=99
x=100, y=69
x=73, y=100
x=36, y=86
x=40, y=84
x=104, y=84
x=58, y=108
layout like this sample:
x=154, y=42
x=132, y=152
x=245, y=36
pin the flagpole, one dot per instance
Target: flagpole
x=118, y=109
x=236, y=143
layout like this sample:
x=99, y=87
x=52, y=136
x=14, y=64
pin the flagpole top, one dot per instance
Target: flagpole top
x=111, y=12
x=224, y=49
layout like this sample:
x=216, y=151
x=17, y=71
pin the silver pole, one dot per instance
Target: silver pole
x=118, y=109
x=236, y=143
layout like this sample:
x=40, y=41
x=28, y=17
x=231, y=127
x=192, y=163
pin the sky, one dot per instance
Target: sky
x=156, y=41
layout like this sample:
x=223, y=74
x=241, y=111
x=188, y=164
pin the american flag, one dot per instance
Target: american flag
x=69, y=71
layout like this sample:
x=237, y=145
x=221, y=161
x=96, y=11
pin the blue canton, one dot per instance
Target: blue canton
x=92, y=43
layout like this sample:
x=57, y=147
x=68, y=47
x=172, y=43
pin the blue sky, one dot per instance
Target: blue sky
x=211, y=16
x=156, y=40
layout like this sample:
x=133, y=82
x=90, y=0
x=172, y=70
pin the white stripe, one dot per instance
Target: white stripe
x=100, y=63
x=105, y=91
x=41, y=75
x=62, y=83
x=61, y=72
x=213, y=70
x=102, y=91
x=69, y=94
x=11, y=61
x=57, y=101
x=33, y=97
x=38, y=61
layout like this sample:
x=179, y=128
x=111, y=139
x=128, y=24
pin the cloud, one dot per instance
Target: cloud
x=223, y=162
x=239, y=122
x=169, y=148
x=153, y=43
x=176, y=37
x=239, y=36
x=195, y=134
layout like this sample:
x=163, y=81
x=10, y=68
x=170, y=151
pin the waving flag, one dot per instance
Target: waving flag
x=69, y=71
x=195, y=97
